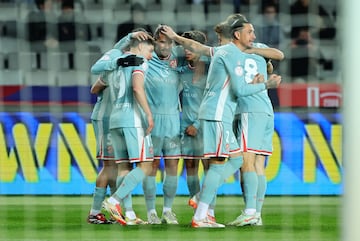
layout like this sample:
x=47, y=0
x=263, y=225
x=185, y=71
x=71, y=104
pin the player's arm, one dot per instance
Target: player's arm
x=190, y=44
x=98, y=86
x=107, y=62
x=123, y=43
x=140, y=96
x=269, y=67
x=239, y=85
x=111, y=60
x=270, y=53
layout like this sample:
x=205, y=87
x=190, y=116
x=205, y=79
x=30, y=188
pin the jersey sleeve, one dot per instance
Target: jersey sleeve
x=123, y=43
x=107, y=62
x=239, y=85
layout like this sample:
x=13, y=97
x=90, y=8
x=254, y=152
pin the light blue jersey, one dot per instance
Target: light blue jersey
x=225, y=83
x=255, y=126
x=103, y=105
x=162, y=90
x=191, y=97
x=162, y=84
x=126, y=111
x=107, y=62
x=100, y=117
x=192, y=94
x=162, y=87
x=259, y=102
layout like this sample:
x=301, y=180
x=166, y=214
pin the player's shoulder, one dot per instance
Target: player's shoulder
x=260, y=45
x=222, y=50
x=111, y=54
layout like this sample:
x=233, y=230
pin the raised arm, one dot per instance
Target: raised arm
x=107, y=62
x=123, y=43
x=190, y=44
x=270, y=53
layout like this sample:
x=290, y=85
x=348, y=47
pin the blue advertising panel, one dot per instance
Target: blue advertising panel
x=53, y=154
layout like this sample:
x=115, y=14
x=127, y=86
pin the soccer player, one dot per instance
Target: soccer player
x=225, y=82
x=254, y=133
x=108, y=175
x=162, y=88
x=105, y=154
x=223, y=32
x=193, y=80
x=131, y=122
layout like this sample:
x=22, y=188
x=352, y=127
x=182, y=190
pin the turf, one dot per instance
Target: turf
x=31, y=218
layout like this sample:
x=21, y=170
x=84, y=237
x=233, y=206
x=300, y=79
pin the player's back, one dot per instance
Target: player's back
x=126, y=111
x=259, y=102
x=219, y=101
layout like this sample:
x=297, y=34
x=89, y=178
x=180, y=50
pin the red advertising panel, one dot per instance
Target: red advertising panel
x=310, y=95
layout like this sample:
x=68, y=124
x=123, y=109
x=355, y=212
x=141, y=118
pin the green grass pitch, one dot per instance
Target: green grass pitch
x=32, y=218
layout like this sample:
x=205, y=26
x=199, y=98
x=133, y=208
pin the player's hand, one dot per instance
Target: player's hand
x=273, y=82
x=141, y=35
x=168, y=31
x=150, y=123
x=191, y=131
x=130, y=60
x=269, y=67
x=258, y=78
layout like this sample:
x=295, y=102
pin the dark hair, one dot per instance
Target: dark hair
x=236, y=21
x=67, y=4
x=135, y=42
x=39, y=3
x=223, y=29
x=158, y=30
x=195, y=35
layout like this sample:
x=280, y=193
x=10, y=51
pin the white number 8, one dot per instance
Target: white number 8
x=251, y=69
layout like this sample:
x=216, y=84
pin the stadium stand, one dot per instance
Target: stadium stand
x=69, y=64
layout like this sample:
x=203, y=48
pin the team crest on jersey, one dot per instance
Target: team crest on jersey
x=173, y=63
x=239, y=71
x=145, y=66
x=105, y=57
x=227, y=147
x=110, y=149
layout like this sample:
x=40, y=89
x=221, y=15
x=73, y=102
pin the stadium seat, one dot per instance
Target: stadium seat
x=39, y=78
x=55, y=61
x=8, y=11
x=84, y=60
x=73, y=78
x=11, y=77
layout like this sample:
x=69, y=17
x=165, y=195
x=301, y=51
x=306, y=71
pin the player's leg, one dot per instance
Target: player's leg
x=233, y=163
x=262, y=185
x=197, y=149
x=192, y=177
x=172, y=154
x=106, y=176
x=149, y=183
x=136, y=176
x=253, y=131
x=95, y=216
x=149, y=188
x=124, y=167
x=214, y=134
x=170, y=184
x=260, y=166
x=138, y=148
